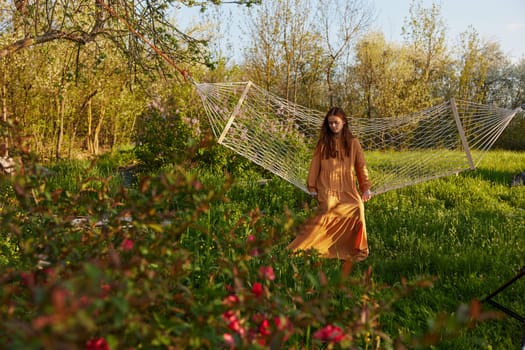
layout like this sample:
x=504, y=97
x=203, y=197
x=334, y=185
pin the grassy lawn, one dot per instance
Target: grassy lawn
x=435, y=248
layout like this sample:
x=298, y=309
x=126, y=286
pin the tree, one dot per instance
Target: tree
x=473, y=67
x=380, y=79
x=263, y=56
x=340, y=24
x=284, y=48
x=84, y=21
x=424, y=33
x=506, y=88
x=136, y=35
x=59, y=94
x=504, y=81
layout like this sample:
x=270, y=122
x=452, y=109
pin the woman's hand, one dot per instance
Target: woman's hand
x=366, y=195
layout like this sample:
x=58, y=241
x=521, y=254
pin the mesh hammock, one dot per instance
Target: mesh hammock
x=280, y=136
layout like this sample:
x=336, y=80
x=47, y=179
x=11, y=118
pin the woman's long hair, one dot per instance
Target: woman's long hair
x=327, y=139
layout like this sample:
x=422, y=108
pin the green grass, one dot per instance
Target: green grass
x=464, y=232
x=467, y=231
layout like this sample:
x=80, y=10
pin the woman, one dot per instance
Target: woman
x=339, y=230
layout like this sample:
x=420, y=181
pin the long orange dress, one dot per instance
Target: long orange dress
x=339, y=230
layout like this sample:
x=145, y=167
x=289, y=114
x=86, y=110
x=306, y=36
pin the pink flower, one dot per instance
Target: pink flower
x=229, y=340
x=257, y=289
x=251, y=238
x=229, y=316
x=330, y=333
x=197, y=185
x=105, y=289
x=84, y=301
x=229, y=288
x=257, y=318
x=233, y=322
x=230, y=300
x=267, y=272
x=97, y=344
x=127, y=244
x=235, y=325
x=264, y=328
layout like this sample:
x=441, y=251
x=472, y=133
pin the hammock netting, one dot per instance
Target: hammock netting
x=400, y=151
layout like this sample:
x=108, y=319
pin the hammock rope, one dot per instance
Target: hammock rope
x=400, y=151
x=280, y=136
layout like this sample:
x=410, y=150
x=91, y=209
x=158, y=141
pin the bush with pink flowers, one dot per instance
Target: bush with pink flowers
x=175, y=263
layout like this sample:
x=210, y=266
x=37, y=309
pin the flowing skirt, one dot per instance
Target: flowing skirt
x=338, y=233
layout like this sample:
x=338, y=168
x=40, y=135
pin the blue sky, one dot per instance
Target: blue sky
x=502, y=21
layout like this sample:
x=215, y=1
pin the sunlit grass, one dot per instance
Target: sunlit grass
x=465, y=232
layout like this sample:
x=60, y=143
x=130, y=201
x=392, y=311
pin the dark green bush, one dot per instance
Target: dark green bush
x=512, y=137
x=161, y=138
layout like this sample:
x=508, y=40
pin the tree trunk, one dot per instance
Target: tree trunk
x=89, y=142
x=72, y=140
x=329, y=82
x=96, y=136
x=60, y=103
x=4, y=149
x=114, y=138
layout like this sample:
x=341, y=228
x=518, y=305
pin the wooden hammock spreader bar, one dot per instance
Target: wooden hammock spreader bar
x=235, y=112
x=462, y=133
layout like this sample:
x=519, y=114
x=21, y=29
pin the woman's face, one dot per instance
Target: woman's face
x=335, y=123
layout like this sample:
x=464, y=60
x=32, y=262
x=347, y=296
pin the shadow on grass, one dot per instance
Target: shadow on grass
x=494, y=176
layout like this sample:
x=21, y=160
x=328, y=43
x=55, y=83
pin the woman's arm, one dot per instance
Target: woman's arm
x=313, y=172
x=362, y=172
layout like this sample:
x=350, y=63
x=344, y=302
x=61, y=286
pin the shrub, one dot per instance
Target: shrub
x=161, y=138
x=512, y=137
x=173, y=263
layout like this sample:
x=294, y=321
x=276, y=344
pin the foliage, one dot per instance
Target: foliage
x=83, y=269
x=285, y=53
x=160, y=138
x=512, y=138
x=83, y=22
x=66, y=100
x=192, y=259
x=190, y=254
x=385, y=84
x=78, y=88
x=75, y=81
